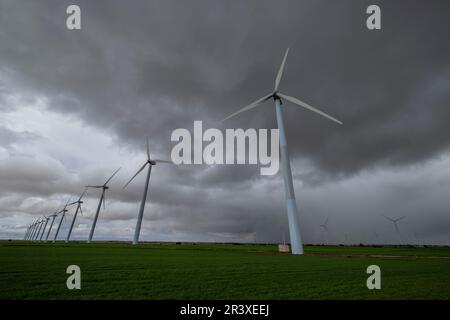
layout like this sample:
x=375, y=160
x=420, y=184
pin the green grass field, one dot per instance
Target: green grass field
x=219, y=271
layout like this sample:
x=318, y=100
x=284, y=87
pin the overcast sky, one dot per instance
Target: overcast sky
x=76, y=105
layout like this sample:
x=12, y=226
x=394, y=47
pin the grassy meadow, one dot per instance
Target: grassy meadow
x=220, y=271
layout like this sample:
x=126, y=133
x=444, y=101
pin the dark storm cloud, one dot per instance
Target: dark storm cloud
x=147, y=68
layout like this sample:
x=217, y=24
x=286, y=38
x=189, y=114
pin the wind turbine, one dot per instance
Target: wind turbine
x=63, y=211
x=394, y=221
x=325, y=229
x=30, y=229
x=40, y=222
x=78, y=202
x=30, y=236
x=27, y=232
x=51, y=224
x=104, y=187
x=150, y=164
x=294, y=227
x=45, y=226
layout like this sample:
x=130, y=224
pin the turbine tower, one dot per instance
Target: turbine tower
x=43, y=229
x=324, y=226
x=78, y=202
x=63, y=211
x=51, y=224
x=294, y=227
x=150, y=164
x=104, y=187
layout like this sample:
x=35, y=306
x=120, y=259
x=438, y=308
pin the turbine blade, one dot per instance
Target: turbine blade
x=104, y=200
x=82, y=195
x=307, y=106
x=112, y=176
x=388, y=218
x=250, y=106
x=398, y=219
x=67, y=203
x=139, y=171
x=280, y=72
x=148, y=151
x=163, y=161
x=81, y=211
x=94, y=187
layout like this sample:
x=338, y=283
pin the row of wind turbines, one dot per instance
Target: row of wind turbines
x=36, y=230
x=326, y=231
x=291, y=205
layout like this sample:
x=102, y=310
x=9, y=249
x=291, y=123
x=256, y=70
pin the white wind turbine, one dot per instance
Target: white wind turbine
x=78, y=203
x=39, y=227
x=294, y=227
x=53, y=216
x=63, y=211
x=45, y=226
x=33, y=230
x=150, y=162
x=104, y=187
x=27, y=234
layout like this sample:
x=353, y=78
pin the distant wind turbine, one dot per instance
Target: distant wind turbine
x=394, y=221
x=33, y=226
x=104, y=187
x=78, y=203
x=30, y=232
x=150, y=164
x=53, y=216
x=45, y=226
x=27, y=232
x=63, y=211
x=40, y=223
x=324, y=226
x=294, y=227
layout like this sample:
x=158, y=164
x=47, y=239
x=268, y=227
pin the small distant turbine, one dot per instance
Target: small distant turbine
x=36, y=226
x=40, y=223
x=78, y=203
x=53, y=216
x=27, y=233
x=32, y=230
x=377, y=237
x=45, y=226
x=63, y=211
x=30, y=236
x=150, y=164
x=291, y=205
x=325, y=228
x=104, y=187
x=394, y=221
